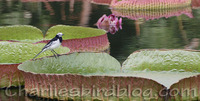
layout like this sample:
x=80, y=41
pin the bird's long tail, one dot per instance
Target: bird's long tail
x=38, y=54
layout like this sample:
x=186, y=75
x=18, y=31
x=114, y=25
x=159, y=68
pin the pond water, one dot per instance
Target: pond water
x=170, y=29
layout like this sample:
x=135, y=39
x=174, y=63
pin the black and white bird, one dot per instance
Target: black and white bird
x=52, y=44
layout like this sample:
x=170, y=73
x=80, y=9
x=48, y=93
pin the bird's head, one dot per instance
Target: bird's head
x=59, y=34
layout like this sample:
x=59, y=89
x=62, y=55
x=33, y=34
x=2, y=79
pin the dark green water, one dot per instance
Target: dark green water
x=180, y=30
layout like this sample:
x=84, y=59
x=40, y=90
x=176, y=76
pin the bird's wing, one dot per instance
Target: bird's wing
x=51, y=42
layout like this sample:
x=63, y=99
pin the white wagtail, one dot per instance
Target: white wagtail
x=52, y=44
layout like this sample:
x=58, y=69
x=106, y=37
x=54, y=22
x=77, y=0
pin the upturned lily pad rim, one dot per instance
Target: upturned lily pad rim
x=125, y=67
x=98, y=75
x=20, y=25
x=191, y=50
x=86, y=81
x=8, y=63
x=183, y=80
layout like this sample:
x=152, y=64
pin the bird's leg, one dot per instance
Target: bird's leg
x=53, y=53
x=56, y=53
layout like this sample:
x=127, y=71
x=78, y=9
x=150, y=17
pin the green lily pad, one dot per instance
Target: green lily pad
x=170, y=60
x=76, y=63
x=22, y=33
x=86, y=76
x=15, y=52
x=73, y=32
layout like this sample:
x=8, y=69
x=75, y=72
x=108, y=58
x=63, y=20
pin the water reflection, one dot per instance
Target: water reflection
x=45, y=13
x=13, y=94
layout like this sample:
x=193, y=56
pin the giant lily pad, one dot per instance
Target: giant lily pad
x=86, y=76
x=74, y=32
x=164, y=66
x=22, y=33
x=13, y=53
x=153, y=14
x=148, y=4
x=169, y=60
x=77, y=63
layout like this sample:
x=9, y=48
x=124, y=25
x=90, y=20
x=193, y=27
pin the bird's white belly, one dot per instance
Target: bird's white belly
x=54, y=45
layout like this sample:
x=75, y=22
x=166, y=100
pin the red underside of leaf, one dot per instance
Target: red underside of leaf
x=49, y=86
x=150, y=15
x=188, y=89
x=10, y=75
